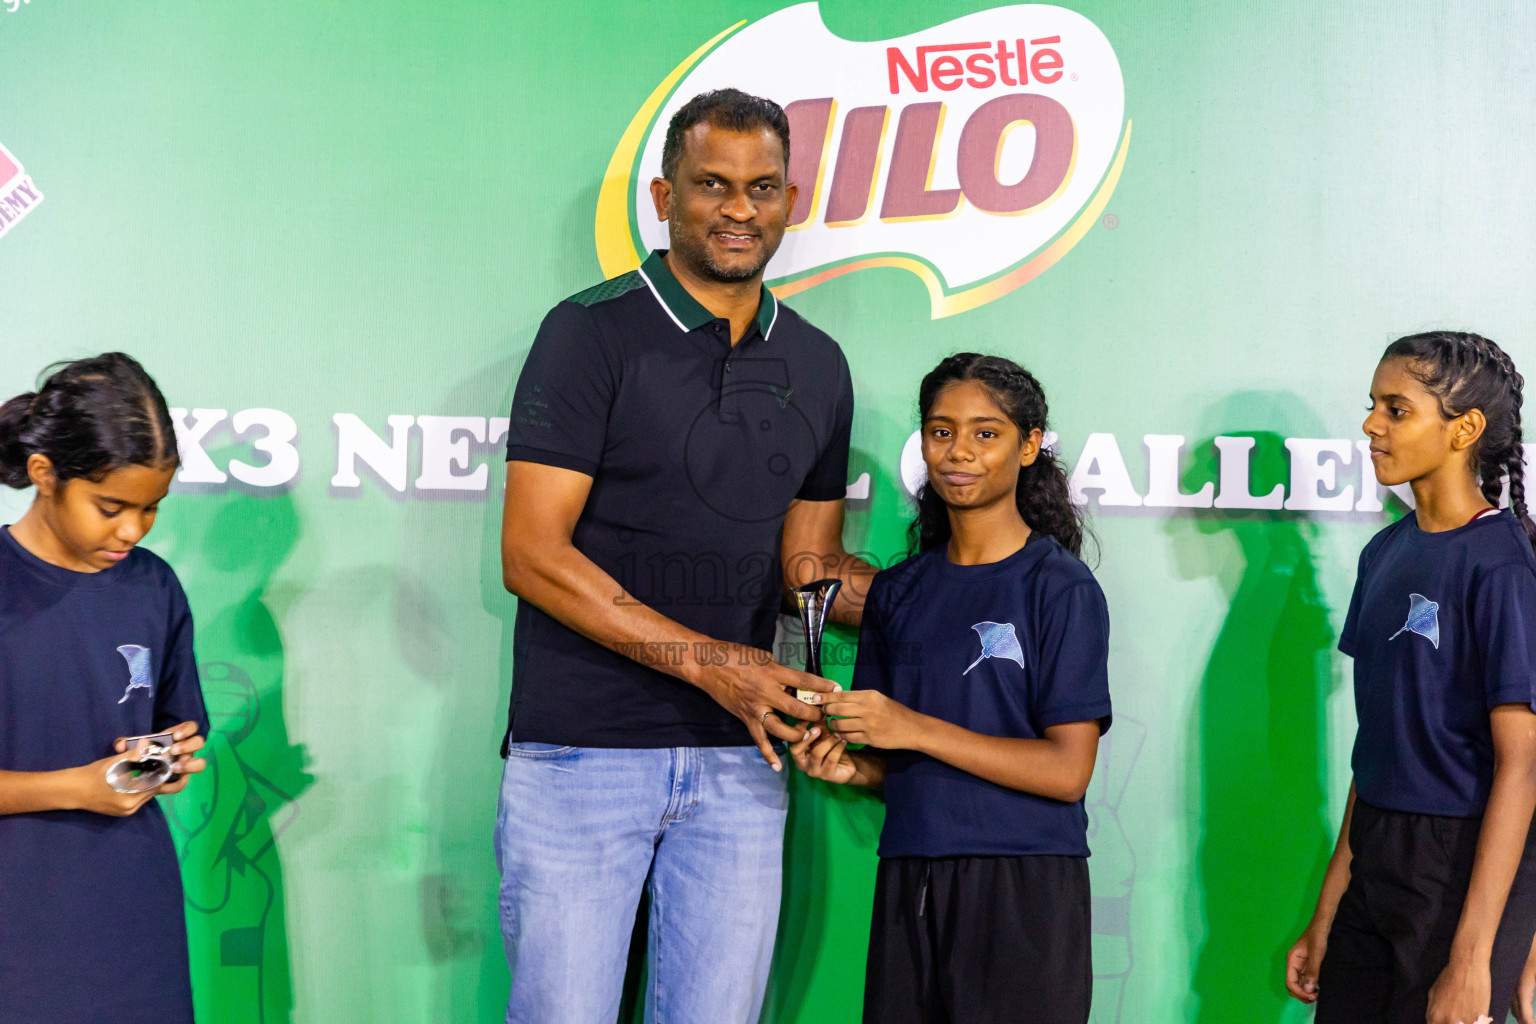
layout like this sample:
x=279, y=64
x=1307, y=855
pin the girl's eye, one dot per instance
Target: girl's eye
x=986, y=435
x=940, y=432
x=110, y=513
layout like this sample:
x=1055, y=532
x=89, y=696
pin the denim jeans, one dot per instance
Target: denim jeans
x=581, y=830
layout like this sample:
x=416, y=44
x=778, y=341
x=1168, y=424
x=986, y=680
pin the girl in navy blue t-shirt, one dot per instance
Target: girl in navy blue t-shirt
x=95, y=647
x=1428, y=905
x=981, y=691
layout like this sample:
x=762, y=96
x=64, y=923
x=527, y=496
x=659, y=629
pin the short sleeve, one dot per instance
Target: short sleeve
x=564, y=392
x=179, y=693
x=1503, y=616
x=873, y=662
x=828, y=479
x=1074, y=659
x=1352, y=618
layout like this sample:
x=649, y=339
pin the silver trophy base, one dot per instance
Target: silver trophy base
x=140, y=774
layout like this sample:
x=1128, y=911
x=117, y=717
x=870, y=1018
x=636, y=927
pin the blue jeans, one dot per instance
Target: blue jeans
x=578, y=833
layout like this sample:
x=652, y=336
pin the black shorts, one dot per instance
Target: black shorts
x=1392, y=934
x=973, y=940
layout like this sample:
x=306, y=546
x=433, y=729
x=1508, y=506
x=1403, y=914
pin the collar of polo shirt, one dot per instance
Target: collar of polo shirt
x=684, y=309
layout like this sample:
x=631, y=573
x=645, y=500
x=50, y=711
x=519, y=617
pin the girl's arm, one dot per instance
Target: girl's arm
x=86, y=789
x=69, y=789
x=1057, y=766
x=1462, y=992
x=1305, y=959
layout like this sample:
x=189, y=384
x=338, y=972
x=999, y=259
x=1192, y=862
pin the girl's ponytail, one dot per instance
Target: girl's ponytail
x=89, y=417
x=1043, y=496
x=1045, y=501
x=13, y=451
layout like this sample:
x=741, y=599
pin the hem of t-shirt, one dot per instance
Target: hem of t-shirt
x=885, y=851
x=1097, y=711
x=1399, y=807
x=821, y=493
x=545, y=457
x=1522, y=695
x=611, y=740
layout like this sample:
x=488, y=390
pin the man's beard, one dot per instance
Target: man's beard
x=698, y=257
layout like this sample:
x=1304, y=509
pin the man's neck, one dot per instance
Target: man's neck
x=736, y=301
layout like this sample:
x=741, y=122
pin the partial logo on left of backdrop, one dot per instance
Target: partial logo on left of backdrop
x=18, y=193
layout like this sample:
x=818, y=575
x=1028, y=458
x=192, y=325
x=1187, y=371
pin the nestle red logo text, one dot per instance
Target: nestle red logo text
x=978, y=65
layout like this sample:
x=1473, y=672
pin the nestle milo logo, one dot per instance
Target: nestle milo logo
x=973, y=154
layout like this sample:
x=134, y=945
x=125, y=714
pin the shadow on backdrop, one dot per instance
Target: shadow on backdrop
x=228, y=820
x=1260, y=831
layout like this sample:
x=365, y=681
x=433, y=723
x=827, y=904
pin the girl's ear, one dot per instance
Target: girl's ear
x=1029, y=451
x=40, y=472
x=1466, y=429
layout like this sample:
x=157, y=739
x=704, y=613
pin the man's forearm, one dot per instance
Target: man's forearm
x=570, y=587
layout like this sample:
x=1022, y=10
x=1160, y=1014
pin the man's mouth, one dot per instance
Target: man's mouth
x=736, y=239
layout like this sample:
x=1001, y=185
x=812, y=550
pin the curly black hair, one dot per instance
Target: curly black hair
x=1043, y=496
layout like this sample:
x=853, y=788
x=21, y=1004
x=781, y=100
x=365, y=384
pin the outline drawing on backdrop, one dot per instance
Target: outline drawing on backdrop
x=969, y=244
x=235, y=836
x=1112, y=868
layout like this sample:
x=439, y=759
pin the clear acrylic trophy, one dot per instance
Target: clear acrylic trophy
x=814, y=601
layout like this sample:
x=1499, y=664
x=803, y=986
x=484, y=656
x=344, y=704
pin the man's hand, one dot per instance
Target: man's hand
x=752, y=687
x=823, y=754
x=1461, y=994
x=1303, y=963
x=869, y=716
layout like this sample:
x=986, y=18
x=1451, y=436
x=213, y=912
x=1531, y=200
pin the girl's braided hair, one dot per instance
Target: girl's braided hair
x=1467, y=371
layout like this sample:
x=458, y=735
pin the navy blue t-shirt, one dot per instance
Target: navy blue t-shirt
x=1442, y=627
x=86, y=658
x=1009, y=648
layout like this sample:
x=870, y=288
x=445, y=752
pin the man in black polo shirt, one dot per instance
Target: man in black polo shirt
x=678, y=448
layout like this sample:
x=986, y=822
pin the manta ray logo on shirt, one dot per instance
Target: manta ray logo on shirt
x=998, y=640
x=138, y=669
x=1423, y=619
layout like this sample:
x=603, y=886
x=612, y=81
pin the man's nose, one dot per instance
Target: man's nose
x=739, y=207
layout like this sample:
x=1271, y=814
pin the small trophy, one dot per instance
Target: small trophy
x=144, y=767
x=814, y=601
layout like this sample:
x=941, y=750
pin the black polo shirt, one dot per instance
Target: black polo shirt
x=695, y=450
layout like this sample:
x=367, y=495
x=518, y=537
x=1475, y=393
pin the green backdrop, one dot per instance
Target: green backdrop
x=366, y=208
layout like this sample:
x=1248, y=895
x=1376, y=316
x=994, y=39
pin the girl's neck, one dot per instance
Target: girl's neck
x=1446, y=499
x=37, y=537
x=978, y=536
